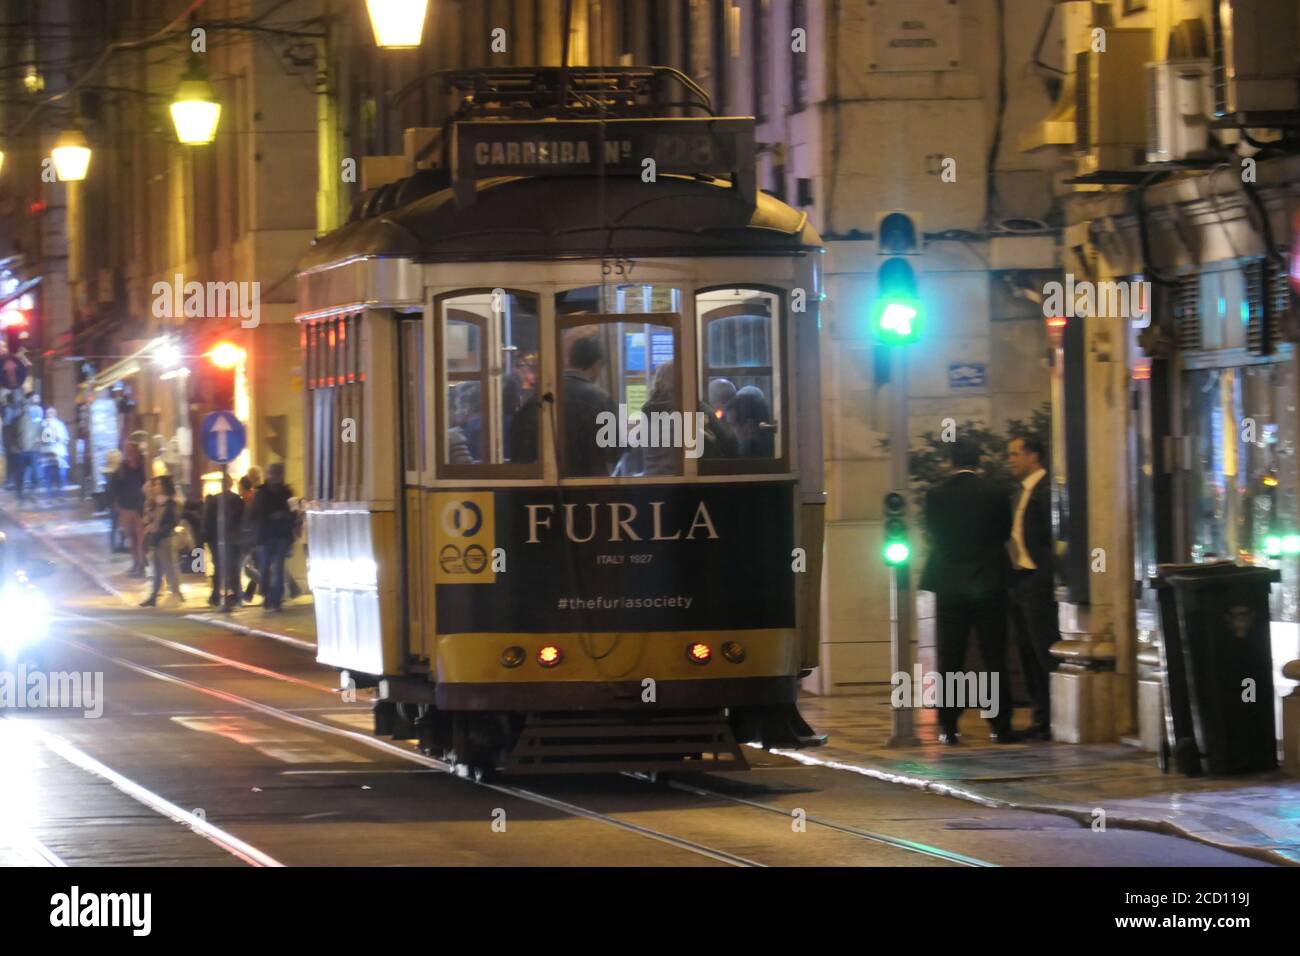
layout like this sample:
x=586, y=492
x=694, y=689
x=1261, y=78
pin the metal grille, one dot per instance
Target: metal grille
x=1268, y=294
x=1187, y=312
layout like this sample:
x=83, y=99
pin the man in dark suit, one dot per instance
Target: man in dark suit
x=1034, y=619
x=967, y=523
x=583, y=401
x=225, y=567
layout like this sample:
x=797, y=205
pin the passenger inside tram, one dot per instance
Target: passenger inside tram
x=721, y=391
x=583, y=401
x=750, y=415
x=466, y=433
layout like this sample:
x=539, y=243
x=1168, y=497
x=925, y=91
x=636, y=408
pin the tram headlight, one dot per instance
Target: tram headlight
x=699, y=653
x=512, y=656
x=733, y=652
x=549, y=656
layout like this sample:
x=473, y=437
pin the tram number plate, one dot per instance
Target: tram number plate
x=620, y=267
x=699, y=151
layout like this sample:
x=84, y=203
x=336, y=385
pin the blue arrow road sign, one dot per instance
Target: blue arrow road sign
x=223, y=436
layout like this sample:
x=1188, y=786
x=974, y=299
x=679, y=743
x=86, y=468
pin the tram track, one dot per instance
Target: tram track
x=520, y=792
x=391, y=748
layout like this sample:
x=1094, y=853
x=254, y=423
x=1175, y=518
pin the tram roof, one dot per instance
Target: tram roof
x=560, y=217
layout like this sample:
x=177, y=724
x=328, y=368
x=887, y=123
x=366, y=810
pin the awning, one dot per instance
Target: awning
x=124, y=368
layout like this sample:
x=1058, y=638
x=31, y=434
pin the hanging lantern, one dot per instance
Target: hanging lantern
x=71, y=155
x=398, y=24
x=195, y=110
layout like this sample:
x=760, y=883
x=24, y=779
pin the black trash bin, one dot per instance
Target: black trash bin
x=1215, y=621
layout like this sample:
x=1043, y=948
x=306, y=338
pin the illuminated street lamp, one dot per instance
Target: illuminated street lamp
x=71, y=155
x=226, y=355
x=195, y=110
x=398, y=24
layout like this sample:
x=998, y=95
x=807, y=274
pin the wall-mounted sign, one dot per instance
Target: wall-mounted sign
x=964, y=375
x=617, y=147
x=913, y=35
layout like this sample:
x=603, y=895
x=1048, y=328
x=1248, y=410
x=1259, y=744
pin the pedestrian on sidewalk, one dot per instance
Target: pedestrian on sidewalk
x=273, y=520
x=159, y=537
x=967, y=523
x=129, y=489
x=1034, y=620
x=248, y=486
x=116, y=537
x=28, y=434
x=10, y=414
x=225, y=567
x=54, y=454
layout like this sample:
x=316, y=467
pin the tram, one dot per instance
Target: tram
x=564, y=453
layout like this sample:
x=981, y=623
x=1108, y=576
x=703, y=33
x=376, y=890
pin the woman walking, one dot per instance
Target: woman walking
x=129, y=494
x=159, y=538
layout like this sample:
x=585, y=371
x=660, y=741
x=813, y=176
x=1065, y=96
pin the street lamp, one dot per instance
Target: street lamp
x=71, y=155
x=398, y=24
x=226, y=355
x=195, y=110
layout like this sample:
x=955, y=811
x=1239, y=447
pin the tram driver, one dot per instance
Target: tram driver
x=584, y=400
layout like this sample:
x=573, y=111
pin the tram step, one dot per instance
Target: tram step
x=552, y=744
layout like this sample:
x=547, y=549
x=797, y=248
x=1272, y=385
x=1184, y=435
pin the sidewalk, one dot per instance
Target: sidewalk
x=1257, y=815
x=80, y=538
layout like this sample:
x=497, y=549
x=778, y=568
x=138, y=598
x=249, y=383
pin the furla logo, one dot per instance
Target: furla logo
x=75, y=909
x=621, y=521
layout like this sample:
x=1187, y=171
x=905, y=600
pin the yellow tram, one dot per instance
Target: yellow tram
x=564, y=454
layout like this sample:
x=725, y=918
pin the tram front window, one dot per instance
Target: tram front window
x=488, y=349
x=621, y=414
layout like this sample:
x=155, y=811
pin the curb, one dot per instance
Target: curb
x=218, y=621
x=1146, y=824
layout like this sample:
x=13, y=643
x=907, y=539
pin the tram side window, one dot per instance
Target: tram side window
x=488, y=367
x=335, y=384
x=741, y=374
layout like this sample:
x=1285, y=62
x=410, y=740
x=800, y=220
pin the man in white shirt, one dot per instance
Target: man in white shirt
x=1034, y=620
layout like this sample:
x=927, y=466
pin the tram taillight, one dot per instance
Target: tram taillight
x=512, y=656
x=549, y=656
x=699, y=653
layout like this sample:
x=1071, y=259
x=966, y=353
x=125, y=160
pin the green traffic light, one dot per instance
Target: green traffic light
x=897, y=312
x=1291, y=544
x=897, y=552
x=1273, y=545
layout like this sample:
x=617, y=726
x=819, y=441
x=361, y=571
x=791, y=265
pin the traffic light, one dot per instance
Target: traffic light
x=897, y=312
x=897, y=550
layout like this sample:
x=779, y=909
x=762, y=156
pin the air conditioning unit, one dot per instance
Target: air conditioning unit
x=1110, y=118
x=1179, y=102
x=1255, y=68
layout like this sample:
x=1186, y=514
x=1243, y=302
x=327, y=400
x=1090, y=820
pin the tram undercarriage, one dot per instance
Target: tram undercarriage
x=551, y=742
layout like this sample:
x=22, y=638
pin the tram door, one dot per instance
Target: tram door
x=414, y=462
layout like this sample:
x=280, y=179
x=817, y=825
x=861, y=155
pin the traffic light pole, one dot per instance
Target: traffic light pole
x=902, y=604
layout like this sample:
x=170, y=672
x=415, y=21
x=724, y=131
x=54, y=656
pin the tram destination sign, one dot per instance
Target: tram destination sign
x=651, y=558
x=617, y=147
